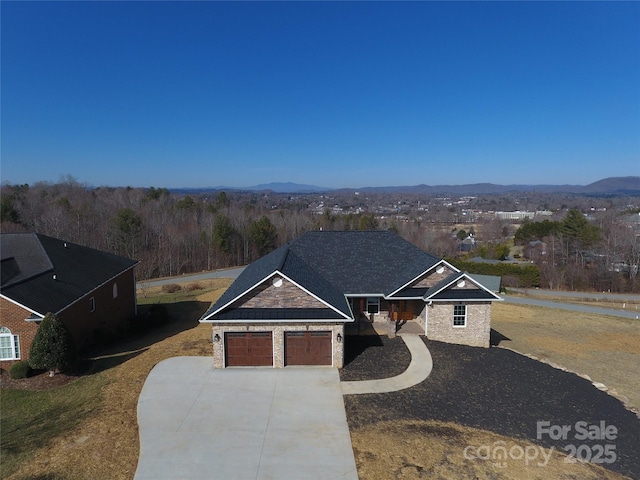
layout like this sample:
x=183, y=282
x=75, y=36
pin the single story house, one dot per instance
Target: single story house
x=92, y=292
x=291, y=306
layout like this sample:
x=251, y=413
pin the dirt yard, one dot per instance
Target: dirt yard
x=416, y=450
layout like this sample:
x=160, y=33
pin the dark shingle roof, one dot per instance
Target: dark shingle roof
x=463, y=294
x=23, y=257
x=331, y=265
x=363, y=262
x=289, y=264
x=491, y=282
x=251, y=276
x=34, y=260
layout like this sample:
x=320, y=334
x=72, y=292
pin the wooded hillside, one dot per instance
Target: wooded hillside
x=172, y=234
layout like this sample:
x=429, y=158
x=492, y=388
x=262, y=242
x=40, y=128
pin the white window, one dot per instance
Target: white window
x=9, y=345
x=460, y=315
x=92, y=304
x=115, y=290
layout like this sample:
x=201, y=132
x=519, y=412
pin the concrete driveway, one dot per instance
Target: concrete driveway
x=197, y=422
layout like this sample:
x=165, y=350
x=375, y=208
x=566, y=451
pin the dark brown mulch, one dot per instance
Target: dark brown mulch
x=503, y=392
x=41, y=381
x=370, y=357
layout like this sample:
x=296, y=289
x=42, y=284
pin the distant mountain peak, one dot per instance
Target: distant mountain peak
x=288, y=187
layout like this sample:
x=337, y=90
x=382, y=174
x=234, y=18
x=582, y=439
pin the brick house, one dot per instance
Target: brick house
x=291, y=306
x=92, y=292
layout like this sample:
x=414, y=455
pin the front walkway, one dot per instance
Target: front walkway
x=418, y=370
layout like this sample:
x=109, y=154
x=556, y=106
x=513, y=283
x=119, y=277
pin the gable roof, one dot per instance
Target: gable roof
x=47, y=275
x=334, y=265
x=282, y=261
x=445, y=290
x=363, y=262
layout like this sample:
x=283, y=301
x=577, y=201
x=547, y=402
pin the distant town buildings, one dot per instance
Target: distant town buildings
x=521, y=215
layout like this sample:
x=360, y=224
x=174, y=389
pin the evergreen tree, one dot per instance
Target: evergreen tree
x=263, y=235
x=53, y=347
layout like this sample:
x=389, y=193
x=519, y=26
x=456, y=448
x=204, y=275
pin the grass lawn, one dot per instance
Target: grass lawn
x=88, y=429
x=32, y=419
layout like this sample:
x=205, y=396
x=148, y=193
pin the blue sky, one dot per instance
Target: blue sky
x=195, y=94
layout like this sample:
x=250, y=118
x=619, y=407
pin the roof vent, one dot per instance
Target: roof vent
x=65, y=244
x=55, y=277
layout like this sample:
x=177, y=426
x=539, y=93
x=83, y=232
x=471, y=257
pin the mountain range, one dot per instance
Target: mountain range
x=607, y=186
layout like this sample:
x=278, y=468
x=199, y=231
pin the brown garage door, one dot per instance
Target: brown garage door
x=249, y=349
x=307, y=348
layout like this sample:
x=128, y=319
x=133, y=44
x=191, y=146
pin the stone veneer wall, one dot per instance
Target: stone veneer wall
x=287, y=295
x=433, y=278
x=476, y=333
x=277, y=331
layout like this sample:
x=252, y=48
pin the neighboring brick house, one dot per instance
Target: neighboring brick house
x=92, y=292
x=290, y=307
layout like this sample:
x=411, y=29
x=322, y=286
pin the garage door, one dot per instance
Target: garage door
x=249, y=349
x=307, y=348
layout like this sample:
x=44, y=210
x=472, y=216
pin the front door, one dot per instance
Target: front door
x=405, y=310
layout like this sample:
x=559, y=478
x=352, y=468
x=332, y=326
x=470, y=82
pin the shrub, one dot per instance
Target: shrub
x=53, y=347
x=193, y=286
x=171, y=288
x=20, y=369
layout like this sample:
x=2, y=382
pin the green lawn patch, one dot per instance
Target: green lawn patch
x=33, y=418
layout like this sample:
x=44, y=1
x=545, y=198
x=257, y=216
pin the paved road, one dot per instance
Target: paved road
x=635, y=314
x=223, y=273
x=621, y=297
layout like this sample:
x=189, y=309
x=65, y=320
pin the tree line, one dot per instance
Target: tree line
x=577, y=254
x=172, y=234
x=169, y=234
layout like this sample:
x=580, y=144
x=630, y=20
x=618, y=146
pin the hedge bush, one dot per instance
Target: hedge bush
x=193, y=286
x=171, y=288
x=20, y=369
x=527, y=275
